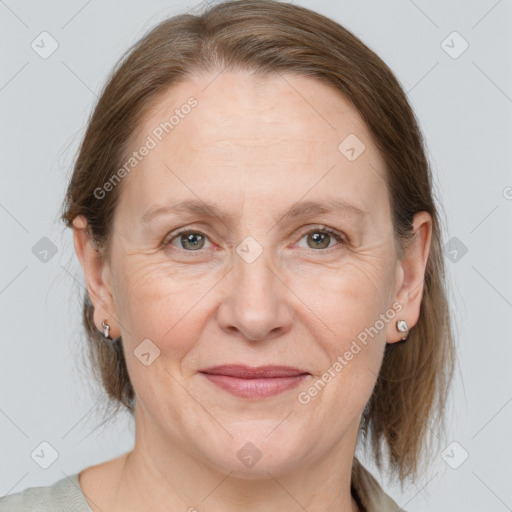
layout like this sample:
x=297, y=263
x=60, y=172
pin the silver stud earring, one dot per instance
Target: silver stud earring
x=401, y=326
x=106, y=329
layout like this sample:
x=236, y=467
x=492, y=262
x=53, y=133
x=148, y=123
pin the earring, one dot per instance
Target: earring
x=106, y=329
x=401, y=326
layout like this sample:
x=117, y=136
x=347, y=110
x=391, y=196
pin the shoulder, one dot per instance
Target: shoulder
x=62, y=496
x=369, y=493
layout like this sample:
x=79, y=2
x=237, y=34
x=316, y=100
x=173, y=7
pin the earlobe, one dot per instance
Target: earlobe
x=94, y=268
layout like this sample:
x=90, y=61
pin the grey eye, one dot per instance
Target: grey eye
x=189, y=240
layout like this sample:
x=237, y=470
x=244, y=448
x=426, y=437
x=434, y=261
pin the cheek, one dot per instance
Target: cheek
x=172, y=307
x=346, y=302
x=351, y=312
x=167, y=310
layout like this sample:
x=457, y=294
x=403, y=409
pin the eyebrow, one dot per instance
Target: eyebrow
x=297, y=210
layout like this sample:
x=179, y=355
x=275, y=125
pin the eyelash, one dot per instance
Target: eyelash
x=315, y=229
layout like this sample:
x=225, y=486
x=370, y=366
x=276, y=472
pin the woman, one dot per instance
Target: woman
x=253, y=211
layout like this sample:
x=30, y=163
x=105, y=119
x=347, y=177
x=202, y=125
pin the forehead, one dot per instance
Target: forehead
x=250, y=108
x=235, y=134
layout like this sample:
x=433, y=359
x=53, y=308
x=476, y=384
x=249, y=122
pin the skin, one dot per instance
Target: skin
x=253, y=146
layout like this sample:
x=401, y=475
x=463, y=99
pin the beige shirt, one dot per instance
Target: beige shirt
x=368, y=493
x=66, y=495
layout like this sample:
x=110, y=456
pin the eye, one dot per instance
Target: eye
x=320, y=237
x=189, y=239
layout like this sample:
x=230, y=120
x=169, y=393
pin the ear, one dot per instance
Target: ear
x=97, y=276
x=411, y=275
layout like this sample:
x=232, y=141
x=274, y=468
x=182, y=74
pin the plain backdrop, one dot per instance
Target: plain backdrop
x=453, y=59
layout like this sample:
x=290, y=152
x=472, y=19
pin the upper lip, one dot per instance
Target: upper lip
x=254, y=372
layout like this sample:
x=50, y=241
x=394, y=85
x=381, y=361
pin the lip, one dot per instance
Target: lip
x=255, y=382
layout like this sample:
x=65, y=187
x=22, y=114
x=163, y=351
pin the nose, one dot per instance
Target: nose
x=256, y=304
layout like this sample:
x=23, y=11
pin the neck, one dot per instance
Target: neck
x=174, y=477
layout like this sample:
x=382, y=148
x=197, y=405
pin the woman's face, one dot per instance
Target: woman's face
x=258, y=280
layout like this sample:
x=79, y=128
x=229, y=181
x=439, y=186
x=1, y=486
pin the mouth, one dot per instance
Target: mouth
x=255, y=382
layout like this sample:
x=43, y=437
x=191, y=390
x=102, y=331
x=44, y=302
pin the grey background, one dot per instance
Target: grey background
x=464, y=105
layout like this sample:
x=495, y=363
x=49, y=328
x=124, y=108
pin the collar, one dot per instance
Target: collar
x=368, y=494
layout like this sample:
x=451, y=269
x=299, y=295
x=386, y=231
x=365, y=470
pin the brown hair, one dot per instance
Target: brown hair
x=267, y=36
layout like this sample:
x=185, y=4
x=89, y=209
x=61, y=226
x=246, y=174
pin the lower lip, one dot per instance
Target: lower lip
x=255, y=388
